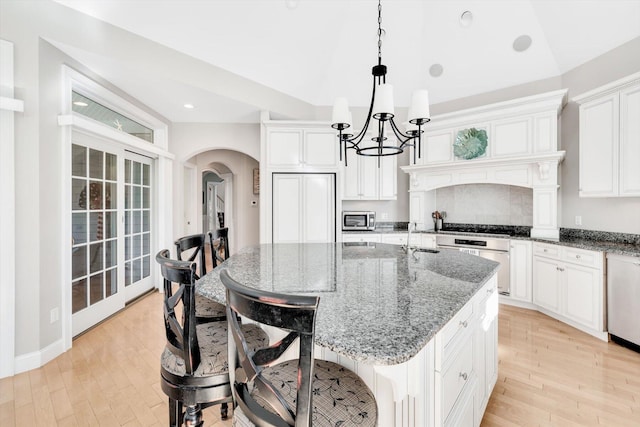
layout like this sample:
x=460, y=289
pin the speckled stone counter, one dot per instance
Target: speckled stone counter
x=378, y=305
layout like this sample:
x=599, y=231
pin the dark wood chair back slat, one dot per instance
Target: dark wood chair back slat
x=194, y=242
x=293, y=314
x=219, y=241
x=180, y=329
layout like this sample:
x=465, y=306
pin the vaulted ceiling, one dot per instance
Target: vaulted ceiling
x=317, y=50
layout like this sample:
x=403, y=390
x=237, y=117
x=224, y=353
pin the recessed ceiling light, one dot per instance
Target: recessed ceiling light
x=189, y=106
x=522, y=43
x=436, y=70
x=466, y=19
x=80, y=104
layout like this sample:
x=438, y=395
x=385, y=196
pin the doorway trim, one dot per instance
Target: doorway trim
x=162, y=172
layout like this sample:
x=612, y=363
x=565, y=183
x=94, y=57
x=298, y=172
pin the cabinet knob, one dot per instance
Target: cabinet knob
x=577, y=256
x=545, y=250
x=463, y=375
x=463, y=323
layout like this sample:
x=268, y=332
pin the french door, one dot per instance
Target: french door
x=111, y=221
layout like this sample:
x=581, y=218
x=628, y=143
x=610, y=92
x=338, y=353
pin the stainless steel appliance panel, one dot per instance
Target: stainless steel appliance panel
x=495, y=249
x=623, y=297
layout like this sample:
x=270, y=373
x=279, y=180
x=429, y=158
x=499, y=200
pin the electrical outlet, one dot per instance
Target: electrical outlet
x=54, y=315
x=578, y=220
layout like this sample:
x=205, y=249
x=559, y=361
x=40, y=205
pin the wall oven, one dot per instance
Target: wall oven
x=358, y=220
x=492, y=248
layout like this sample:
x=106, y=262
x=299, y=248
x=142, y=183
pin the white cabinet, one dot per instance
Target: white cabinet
x=361, y=237
x=401, y=239
x=369, y=178
x=466, y=360
x=487, y=346
x=520, y=272
x=610, y=140
x=427, y=241
x=303, y=208
x=569, y=284
x=296, y=148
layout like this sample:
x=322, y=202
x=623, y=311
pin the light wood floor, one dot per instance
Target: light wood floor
x=549, y=374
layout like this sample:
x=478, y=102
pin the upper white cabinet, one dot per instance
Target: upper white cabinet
x=301, y=148
x=610, y=139
x=369, y=178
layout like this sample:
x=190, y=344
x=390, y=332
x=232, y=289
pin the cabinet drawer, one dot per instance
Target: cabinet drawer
x=583, y=257
x=456, y=377
x=397, y=239
x=546, y=250
x=455, y=331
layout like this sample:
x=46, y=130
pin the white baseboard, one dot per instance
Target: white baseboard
x=36, y=359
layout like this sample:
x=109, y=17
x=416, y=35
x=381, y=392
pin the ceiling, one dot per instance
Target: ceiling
x=316, y=50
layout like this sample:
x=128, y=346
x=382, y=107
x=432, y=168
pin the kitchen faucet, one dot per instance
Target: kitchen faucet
x=408, y=247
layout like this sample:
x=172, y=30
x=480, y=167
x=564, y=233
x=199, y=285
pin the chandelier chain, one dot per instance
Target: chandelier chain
x=379, y=31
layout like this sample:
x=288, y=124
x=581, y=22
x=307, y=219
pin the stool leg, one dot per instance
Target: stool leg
x=175, y=413
x=193, y=416
x=224, y=411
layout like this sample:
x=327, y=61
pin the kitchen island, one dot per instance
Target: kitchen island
x=419, y=328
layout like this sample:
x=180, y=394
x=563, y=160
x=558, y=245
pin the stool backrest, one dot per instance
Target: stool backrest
x=193, y=242
x=180, y=327
x=221, y=237
x=293, y=314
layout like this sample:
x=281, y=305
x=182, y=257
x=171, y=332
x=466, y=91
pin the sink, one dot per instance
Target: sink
x=431, y=251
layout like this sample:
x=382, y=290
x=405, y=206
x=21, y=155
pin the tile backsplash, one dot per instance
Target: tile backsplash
x=486, y=204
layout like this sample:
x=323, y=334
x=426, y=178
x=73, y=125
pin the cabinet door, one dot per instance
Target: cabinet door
x=318, y=208
x=395, y=239
x=361, y=237
x=369, y=178
x=320, y=148
x=388, y=178
x=546, y=283
x=351, y=178
x=284, y=148
x=428, y=241
x=583, y=295
x=303, y=208
x=630, y=142
x=520, y=270
x=599, y=133
x=287, y=208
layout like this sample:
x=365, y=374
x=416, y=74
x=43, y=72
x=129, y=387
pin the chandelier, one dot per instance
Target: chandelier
x=381, y=110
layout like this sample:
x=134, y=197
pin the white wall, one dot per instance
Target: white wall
x=237, y=146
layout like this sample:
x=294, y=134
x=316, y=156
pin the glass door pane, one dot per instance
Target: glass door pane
x=137, y=190
x=94, y=209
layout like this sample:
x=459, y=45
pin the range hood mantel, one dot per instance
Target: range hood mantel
x=522, y=150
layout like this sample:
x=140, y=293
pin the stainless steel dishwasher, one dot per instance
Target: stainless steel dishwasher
x=491, y=246
x=623, y=299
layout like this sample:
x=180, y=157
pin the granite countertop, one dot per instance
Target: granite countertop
x=609, y=242
x=377, y=304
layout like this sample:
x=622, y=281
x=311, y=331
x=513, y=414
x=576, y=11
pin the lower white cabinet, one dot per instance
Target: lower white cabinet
x=520, y=271
x=569, y=284
x=361, y=237
x=466, y=360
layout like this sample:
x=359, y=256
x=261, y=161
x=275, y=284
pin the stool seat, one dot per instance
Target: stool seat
x=212, y=339
x=340, y=397
x=209, y=309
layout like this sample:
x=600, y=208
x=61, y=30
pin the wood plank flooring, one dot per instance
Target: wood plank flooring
x=549, y=375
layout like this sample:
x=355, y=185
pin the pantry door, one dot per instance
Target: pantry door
x=111, y=229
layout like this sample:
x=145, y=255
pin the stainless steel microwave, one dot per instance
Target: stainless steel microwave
x=358, y=220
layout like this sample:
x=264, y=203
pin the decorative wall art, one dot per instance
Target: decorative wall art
x=470, y=143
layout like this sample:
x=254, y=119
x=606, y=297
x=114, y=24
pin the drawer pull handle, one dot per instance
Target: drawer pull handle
x=463, y=323
x=545, y=250
x=463, y=375
x=577, y=256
